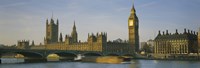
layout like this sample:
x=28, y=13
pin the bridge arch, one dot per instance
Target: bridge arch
x=112, y=54
x=128, y=55
x=10, y=54
x=26, y=54
x=92, y=54
x=64, y=54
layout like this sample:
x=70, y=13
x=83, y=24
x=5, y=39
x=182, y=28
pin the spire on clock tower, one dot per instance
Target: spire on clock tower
x=133, y=13
x=133, y=9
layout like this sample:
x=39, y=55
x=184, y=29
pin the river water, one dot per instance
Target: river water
x=134, y=64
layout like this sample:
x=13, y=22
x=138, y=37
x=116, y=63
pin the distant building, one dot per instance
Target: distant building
x=199, y=40
x=151, y=44
x=32, y=44
x=146, y=47
x=142, y=44
x=51, y=32
x=23, y=44
x=168, y=44
x=2, y=45
x=73, y=38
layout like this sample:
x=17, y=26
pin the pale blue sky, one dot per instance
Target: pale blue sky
x=25, y=19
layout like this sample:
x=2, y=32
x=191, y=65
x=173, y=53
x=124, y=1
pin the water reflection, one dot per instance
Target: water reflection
x=136, y=64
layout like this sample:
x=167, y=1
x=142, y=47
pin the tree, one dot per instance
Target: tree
x=147, y=48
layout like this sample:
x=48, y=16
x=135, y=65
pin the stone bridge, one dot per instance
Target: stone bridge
x=41, y=54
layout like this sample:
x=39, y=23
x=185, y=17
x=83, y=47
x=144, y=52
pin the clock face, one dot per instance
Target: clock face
x=130, y=23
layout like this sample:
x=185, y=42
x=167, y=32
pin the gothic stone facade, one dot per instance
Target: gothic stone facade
x=95, y=43
x=175, y=44
x=23, y=44
x=133, y=26
x=51, y=32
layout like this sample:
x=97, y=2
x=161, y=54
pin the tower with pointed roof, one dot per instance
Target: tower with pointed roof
x=61, y=38
x=199, y=38
x=133, y=26
x=51, y=32
x=74, y=34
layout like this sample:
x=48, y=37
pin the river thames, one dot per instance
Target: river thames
x=134, y=64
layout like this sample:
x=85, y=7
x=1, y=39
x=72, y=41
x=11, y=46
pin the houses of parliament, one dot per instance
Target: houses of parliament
x=95, y=42
x=165, y=45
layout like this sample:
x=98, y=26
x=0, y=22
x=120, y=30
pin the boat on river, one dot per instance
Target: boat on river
x=109, y=59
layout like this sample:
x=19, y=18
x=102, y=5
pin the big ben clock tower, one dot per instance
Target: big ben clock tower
x=133, y=26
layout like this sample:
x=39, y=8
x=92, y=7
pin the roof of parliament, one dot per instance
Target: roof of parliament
x=185, y=35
